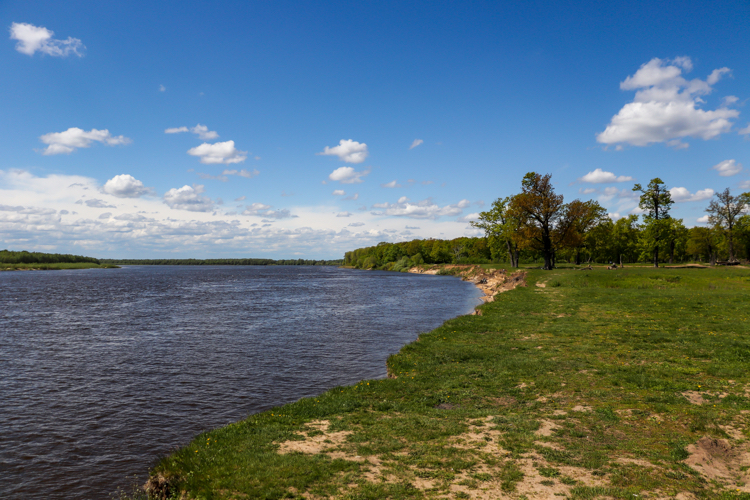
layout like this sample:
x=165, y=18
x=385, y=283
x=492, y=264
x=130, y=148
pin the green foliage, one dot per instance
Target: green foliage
x=223, y=262
x=24, y=257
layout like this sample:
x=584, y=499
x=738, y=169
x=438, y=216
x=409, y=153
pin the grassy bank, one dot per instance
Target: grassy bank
x=4, y=266
x=583, y=384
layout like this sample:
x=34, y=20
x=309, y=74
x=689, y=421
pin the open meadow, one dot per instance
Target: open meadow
x=582, y=384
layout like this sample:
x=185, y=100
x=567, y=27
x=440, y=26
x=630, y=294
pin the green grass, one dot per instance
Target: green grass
x=598, y=358
x=55, y=266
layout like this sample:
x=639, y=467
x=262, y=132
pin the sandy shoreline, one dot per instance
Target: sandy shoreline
x=490, y=281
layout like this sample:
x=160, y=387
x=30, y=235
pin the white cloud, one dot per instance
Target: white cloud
x=702, y=220
x=73, y=138
x=162, y=88
x=219, y=152
x=242, y=173
x=96, y=203
x=125, y=186
x=355, y=196
x=392, y=184
x=587, y=190
x=347, y=175
x=599, y=176
x=357, y=224
x=728, y=168
x=425, y=209
x=105, y=215
x=339, y=192
x=36, y=38
x=681, y=194
x=416, y=143
x=189, y=198
x=348, y=150
x=744, y=131
x=615, y=216
x=343, y=214
x=729, y=100
x=261, y=210
x=468, y=218
x=203, y=133
x=200, y=130
x=241, y=198
x=666, y=107
x=745, y=185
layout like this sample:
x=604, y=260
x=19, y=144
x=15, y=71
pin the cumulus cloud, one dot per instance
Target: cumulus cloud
x=125, y=186
x=188, y=198
x=33, y=39
x=339, y=192
x=347, y=175
x=666, y=107
x=416, y=143
x=219, y=152
x=262, y=210
x=348, y=151
x=468, y=218
x=343, y=214
x=105, y=215
x=728, y=168
x=73, y=138
x=599, y=176
x=425, y=209
x=681, y=194
x=702, y=220
x=356, y=224
x=95, y=203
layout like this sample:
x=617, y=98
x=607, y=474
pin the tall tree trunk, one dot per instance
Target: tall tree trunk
x=731, y=247
x=656, y=255
x=621, y=260
x=578, y=257
x=671, y=251
x=515, y=255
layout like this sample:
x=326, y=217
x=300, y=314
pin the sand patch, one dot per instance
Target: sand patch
x=546, y=428
x=694, y=397
x=581, y=408
x=717, y=460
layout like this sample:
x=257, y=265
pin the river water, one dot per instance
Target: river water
x=104, y=371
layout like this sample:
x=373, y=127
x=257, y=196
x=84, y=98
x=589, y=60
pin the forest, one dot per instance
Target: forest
x=222, y=262
x=536, y=225
x=24, y=257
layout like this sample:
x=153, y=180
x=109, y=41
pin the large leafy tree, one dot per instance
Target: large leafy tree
x=656, y=201
x=545, y=221
x=584, y=216
x=624, y=239
x=724, y=212
x=499, y=223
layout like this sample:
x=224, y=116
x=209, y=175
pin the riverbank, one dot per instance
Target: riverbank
x=55, y=266
x=592, y=384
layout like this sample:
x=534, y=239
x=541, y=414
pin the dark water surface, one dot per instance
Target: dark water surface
x=103, y=371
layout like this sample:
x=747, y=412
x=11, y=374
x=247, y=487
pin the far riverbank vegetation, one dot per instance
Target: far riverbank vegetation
x=536, y=228
x=21, y=260
x=223, y=262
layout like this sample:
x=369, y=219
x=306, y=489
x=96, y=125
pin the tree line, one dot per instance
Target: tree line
x=537, y=225
x=24, y=257
x=223, y=262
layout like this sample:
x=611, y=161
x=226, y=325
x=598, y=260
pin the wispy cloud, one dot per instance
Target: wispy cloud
x=416, y=143
x=33, y=39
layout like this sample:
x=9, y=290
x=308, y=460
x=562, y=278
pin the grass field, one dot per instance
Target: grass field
x=54, y=266
x=599, y=384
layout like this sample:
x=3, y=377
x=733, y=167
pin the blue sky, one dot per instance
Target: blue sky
x=191, y=129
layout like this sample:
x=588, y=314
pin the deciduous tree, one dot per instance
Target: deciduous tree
x=724, y=211
x=498, y=222
x=656, y=202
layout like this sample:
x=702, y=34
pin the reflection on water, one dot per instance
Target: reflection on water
x=104, y=371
